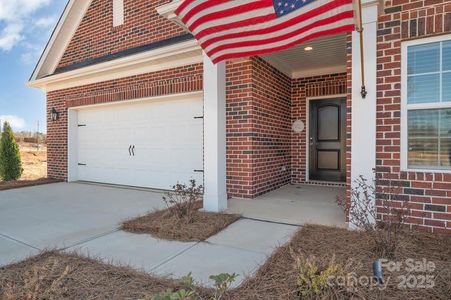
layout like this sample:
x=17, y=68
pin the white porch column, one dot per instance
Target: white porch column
x=215, y=194
x=364, y=110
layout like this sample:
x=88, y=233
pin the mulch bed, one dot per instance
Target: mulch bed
x=277, y=278
x=61, y=276
x=165, y=225
x=9, y=185
x=53, y=275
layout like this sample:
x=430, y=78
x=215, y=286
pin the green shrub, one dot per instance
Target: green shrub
x=313, y=276
x=10, y=162
x=222, y=284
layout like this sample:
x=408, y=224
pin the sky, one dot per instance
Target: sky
x=25, y=28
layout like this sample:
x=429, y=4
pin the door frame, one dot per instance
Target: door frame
x=307, y=130
x=72, y=125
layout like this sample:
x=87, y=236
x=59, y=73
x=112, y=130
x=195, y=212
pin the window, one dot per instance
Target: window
x=426, y=133
x=118, y=12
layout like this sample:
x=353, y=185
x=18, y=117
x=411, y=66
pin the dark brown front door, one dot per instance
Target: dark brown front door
x=327, y=140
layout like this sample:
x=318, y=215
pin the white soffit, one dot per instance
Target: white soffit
x=328, y=56
x=61, y=37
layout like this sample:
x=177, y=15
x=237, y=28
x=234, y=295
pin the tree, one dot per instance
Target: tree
x=10, y=162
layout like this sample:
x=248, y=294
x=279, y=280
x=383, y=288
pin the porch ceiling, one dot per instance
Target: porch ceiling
x=328, y=56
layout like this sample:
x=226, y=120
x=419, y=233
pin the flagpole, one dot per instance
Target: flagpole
x=363, y=90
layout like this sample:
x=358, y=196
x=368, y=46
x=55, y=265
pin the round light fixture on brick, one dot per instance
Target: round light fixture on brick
x=309, y=48
x=298, y=126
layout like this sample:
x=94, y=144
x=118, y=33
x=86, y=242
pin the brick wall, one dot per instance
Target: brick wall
x=172, y=81
x=239, y=128
x=271, y=115
x=429, y=194
x=258, y=128
x=96, y=36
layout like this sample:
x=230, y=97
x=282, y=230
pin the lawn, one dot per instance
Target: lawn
x=34, y=161
x=34, y=164
x=66, y=276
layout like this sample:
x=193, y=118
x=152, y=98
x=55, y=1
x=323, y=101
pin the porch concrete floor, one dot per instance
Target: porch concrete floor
x=294, y=204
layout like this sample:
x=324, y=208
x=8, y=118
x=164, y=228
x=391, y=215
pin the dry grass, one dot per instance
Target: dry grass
x=34, y=163
x=166, y=225
x=61, y=276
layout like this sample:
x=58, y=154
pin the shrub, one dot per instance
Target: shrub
x=384, y=229
x=183, y=201
x=313, y=279
x=222, y=283
x=10, y=162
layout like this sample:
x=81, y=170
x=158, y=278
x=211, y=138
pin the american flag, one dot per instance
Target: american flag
x=229, y=29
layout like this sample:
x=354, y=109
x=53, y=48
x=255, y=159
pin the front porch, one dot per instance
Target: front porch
x=289, y=117
x=297, y=204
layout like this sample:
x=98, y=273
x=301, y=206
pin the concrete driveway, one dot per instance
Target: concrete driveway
x=84, y=218
x=64, y=215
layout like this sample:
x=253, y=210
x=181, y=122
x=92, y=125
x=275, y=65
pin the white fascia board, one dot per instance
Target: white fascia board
x=168, y=11
x=61, y=37
x=169, y=57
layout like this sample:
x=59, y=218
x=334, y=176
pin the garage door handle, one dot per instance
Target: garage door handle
x=133, y=150
x=130, y=150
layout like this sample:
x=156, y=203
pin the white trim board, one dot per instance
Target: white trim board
x=180, y=54
x=60, y=38
x=156, y=98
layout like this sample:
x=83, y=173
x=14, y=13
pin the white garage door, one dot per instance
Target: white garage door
x=151, y=144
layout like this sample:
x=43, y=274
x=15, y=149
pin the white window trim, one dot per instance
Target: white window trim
x=118, y=13
x=405, y=106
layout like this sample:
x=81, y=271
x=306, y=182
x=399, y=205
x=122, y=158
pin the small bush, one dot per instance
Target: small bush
x=384, y=228
x=313, y=279
x=189, y=290
x=10, y=162
x=222, y=284
x=182, y=202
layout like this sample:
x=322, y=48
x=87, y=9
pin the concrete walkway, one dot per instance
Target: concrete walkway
x=84, y=218
x=241, y=248
x=295, y=204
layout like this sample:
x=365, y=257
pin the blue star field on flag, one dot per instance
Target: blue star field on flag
x=284, y=7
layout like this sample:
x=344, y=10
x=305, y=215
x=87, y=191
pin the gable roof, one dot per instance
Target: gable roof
x=170, y=53
x=60, y=38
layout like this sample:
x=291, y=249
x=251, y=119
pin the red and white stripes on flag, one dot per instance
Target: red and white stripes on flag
x=229, y=29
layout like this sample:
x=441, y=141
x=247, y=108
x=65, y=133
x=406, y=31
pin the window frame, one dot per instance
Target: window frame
x=405, y=107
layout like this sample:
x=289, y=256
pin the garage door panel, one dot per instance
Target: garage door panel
x=167, y=138
x=165, y=180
